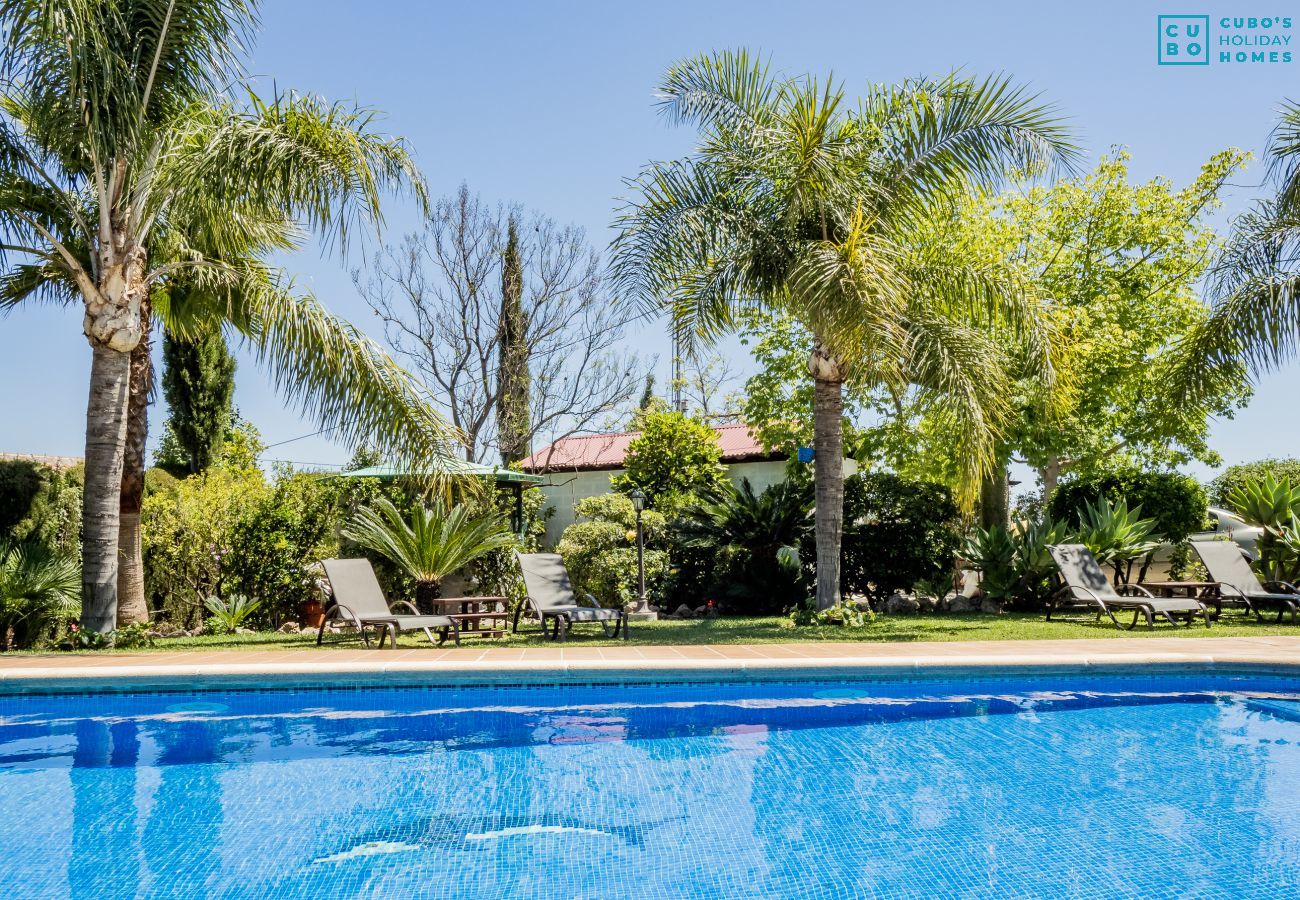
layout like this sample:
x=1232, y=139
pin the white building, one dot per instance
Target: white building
x=579, y=467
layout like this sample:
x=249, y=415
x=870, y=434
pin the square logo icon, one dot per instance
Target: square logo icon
x=1183, y=40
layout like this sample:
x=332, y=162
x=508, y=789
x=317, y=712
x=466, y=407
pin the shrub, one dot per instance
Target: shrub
x=896, y=532
x=674, y=460
x=187, y=534
x=41, y=505
x=274, y=543
x=1176, y=503
x=599, y=550
x=751, y=542
x=228, y=616
x=496, y=573
x=40, y=591
x=1233, y=478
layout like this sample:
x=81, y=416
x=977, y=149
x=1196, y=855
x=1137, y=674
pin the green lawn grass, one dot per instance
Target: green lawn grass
x=973, y=627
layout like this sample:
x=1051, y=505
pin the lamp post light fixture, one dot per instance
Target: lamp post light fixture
x=642, y=611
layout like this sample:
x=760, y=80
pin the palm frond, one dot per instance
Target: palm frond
x=433, y=542
x=335, y=374
x=957, y=132
x=325, y=164
x=731, y=90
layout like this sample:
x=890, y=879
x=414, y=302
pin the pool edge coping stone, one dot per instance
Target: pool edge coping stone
x=315, y=672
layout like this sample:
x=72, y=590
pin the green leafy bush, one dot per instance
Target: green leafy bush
x=674, y=460
x=1017, y=569
x=495, y=572
x=896, y=532
x=275, y=542
x=1117, y=535
x=1176, y=503
x=599, y=550
x=187, y=537
x=40, y=593
x=41, y=505
x=751, y=541
x=1233, y=478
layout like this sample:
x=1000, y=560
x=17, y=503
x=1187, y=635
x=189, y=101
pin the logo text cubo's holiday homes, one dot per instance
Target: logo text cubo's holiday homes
x=1199, y=40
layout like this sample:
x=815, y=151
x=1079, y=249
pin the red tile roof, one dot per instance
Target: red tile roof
x=607, y=451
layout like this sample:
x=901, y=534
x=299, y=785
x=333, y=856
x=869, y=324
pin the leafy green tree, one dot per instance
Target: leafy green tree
x=199, y=384
x=804, y=203
x=1121, y=262
x=1176, y=503
x=673, y=460
x=514, y=394
x=1231, y=479
x=123, y=123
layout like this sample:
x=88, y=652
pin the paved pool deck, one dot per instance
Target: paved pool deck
x=635, y=662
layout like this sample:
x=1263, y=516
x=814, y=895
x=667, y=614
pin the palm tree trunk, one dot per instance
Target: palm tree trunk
x=828, y=471
x=995, y=503
x=110, y=377
x=132, y=607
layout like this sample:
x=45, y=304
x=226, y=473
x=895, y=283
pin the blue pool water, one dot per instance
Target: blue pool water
x=1171, y=786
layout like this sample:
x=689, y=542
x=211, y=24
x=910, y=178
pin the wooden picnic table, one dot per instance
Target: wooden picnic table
x=476, y=616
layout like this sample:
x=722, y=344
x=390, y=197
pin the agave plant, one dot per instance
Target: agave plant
x=1274, y=505
x=431, y=544
x=993, y=552
x=1117, y=535
x=229, y=615
x=38, y=587
x=1033, y=562
x=1268, y=502
x=761, y=533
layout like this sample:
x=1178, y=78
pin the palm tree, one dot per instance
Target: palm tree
x=800, y=202
x=128, y=163
x=37, y=587
x=435, y=542
x=1254, y=323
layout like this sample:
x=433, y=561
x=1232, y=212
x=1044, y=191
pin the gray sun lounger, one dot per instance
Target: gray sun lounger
x=359, y=599
x=1238, y=582
x=1086, y=586
x=550, y=598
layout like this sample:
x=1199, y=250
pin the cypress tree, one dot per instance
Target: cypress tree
x=199, y=384
x=514, y=383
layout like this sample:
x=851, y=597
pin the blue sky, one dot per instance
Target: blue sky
x=550, y=105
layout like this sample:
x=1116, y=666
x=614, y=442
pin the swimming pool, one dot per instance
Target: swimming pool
x=1165, y=786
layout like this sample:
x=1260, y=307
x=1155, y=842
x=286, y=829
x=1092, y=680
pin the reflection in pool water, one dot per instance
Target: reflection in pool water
x=1140, y=786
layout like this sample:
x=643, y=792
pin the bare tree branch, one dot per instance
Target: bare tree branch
x=439, y=296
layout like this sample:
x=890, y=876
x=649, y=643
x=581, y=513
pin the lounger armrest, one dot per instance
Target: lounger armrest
x=1070, y=590
x=408, y=604
x=343, y=612
x=1281, y=587
x=592, y=601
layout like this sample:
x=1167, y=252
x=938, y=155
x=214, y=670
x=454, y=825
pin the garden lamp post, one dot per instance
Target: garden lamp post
x=642, y=611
